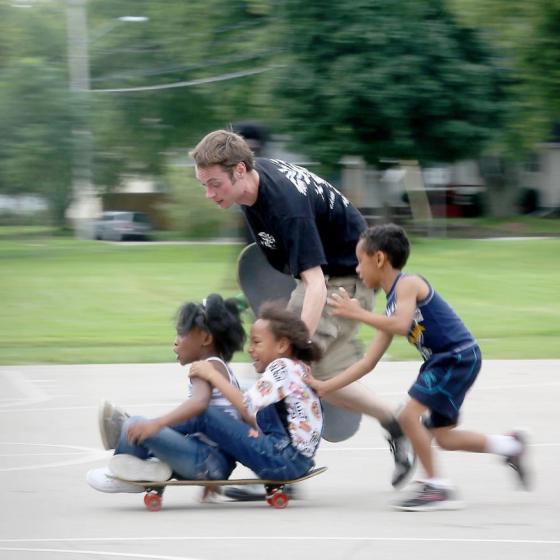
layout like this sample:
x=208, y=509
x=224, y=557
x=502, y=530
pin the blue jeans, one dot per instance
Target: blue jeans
x=188, y=456
x=269, y=454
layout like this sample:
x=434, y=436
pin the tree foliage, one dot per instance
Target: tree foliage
x=130, y=131
x=185, y=42
x=37, y=112
x=527, y=35
x=387, y=79
x=380, y=79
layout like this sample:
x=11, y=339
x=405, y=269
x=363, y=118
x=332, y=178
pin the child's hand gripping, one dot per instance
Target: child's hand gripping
x=316, y=384
x=203, y=370
x=343, y=305
x=139, y=431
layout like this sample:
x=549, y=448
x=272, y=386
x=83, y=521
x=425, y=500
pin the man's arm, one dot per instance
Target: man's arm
x=315, y=297
x=373, y=354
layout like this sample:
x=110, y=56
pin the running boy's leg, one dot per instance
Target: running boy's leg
x=512, y=447
x=441, y=387
x=434, y=493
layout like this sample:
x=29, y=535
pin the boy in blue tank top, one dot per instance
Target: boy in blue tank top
x=451, y=356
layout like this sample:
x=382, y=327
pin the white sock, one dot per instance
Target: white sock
x=503, y=445
x=438, y=483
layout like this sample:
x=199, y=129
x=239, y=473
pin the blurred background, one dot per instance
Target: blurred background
x=419, y=108
x=443, y=115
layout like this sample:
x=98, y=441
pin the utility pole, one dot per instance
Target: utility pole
x=85, y=203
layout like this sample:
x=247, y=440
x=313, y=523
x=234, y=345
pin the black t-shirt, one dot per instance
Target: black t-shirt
x=300, y=221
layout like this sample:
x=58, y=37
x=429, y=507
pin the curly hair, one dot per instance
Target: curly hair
x=219, y=317
x=286, y=324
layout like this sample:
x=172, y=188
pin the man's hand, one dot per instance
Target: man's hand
x=203, y=370
x=143, y=429
x=343, y=305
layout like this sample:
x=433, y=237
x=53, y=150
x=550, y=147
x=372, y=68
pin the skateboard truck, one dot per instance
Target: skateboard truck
x=275, y=496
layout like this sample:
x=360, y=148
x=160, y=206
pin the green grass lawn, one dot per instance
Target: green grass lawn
x=72, y=301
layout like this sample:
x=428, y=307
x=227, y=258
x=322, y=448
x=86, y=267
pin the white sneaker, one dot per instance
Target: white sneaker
x=101, y=480
x=110, y=418
x=130, y=467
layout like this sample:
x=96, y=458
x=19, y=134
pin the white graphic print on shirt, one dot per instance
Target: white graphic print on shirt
x=267, y=240
x=282, y=380
x=303, y=179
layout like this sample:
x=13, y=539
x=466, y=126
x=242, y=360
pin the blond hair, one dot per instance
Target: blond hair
x=223, y=148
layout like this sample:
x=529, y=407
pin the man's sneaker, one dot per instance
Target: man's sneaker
x=255, y=493
x=101, y=480
x=518, y=462
x=111, y=420
x=211, y=495
x=430, y=498
x=404, y=457
x=130, y=467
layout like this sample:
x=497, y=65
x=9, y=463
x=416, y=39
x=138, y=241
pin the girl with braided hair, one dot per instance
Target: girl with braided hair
x=155, y=449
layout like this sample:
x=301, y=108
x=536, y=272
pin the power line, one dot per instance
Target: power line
x=190, y=83
x=185, y=68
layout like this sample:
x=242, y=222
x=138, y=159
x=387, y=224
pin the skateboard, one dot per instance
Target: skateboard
x=275, y=494
x=261, y=282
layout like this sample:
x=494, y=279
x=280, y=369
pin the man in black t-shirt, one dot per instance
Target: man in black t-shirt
x=308, y=229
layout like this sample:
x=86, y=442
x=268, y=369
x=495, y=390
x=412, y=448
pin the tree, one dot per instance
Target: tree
x=37, y=112
x=387, y=79
x=198, y=40
x=527, y=35
x=131, y=132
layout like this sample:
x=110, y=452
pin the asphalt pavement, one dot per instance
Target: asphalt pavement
x=49, y=440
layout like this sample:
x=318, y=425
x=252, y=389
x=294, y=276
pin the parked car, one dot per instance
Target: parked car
x=119, y=226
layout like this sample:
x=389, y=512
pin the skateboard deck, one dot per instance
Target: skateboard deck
x=260, y=282
x=275, y=495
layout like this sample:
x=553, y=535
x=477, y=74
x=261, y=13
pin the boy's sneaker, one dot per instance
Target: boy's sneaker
x=130, y=467
x=111, y=420
x=518, y=462
x=101, y=480
x=404, y=457
x=430, y=498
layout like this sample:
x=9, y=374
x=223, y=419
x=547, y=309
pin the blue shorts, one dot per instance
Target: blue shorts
x=443, y=382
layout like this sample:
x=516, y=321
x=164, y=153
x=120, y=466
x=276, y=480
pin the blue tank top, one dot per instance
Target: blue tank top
x=436, y=328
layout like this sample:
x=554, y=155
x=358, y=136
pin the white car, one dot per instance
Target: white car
x=119, y=226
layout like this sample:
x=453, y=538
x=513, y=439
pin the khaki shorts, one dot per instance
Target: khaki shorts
x=336, y=336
